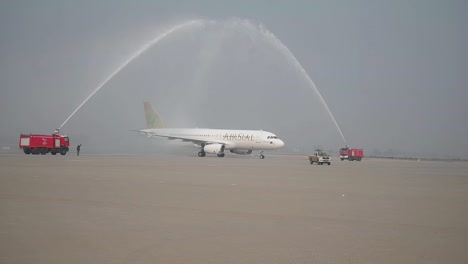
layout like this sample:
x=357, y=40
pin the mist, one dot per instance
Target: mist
x=392, y=74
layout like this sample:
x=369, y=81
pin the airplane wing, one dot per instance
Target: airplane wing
x=184, y=138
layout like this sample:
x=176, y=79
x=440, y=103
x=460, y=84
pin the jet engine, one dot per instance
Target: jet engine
x=214, y=148
x=241, y=151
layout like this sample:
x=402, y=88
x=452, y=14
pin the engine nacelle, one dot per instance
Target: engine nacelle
x=214, y=148
x=241, y=151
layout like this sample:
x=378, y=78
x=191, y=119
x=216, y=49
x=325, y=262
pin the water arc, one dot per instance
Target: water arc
x=243, y=23
x=269, y=36
x=135, y=55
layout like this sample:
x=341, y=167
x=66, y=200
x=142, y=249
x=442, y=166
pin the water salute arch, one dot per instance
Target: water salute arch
x=254, y=30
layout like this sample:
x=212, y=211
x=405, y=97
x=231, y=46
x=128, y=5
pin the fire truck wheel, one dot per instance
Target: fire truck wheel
x=63, y=151
x=27, y=151
x=43, y=151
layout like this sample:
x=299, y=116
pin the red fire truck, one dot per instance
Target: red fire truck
x=351, y=154
x=42, y=144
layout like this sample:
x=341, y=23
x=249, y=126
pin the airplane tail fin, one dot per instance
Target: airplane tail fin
x=152, y=118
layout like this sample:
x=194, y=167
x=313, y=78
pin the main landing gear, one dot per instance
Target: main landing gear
x=203, y=154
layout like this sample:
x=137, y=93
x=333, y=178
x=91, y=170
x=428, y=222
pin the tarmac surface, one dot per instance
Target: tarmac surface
x=237, y=209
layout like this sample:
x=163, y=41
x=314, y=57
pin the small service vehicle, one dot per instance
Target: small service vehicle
x=320, y=157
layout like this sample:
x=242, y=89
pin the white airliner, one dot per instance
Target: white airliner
x=213, y=141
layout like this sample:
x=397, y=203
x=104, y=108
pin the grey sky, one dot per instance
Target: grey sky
x=394, y=73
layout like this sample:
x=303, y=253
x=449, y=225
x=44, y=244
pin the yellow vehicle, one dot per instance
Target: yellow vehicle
x=320, y=157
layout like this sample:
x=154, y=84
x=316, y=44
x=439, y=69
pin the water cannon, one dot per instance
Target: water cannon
x=56, y=131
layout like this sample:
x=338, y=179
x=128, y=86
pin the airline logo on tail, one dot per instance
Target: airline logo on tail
x=152, y=118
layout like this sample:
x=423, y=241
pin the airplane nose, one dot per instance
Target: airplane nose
x=280, y=143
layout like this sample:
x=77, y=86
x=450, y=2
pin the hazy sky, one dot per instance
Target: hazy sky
x=394, y=73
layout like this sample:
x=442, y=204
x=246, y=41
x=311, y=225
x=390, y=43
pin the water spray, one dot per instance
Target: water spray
x=253, y=29
x=269, y=36
x=285, y=50
x=131, y=58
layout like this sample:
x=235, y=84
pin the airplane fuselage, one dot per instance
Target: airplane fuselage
x=212, y=141
x=231, y=139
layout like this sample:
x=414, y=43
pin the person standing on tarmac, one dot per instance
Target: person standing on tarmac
x=78, y=149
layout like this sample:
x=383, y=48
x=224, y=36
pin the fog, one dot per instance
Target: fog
x=393, y=74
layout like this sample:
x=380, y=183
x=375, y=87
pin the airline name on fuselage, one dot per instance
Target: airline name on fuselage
x=239, y=136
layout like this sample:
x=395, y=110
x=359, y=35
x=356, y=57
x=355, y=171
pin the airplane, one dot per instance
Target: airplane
x=212, y=141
